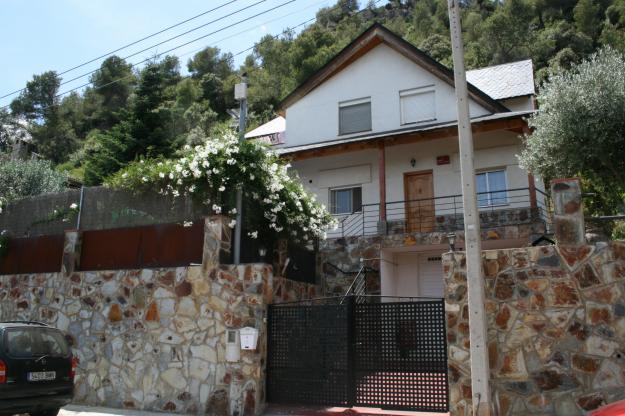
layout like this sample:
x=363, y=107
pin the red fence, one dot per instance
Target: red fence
x=42, y=254
x=163, y=245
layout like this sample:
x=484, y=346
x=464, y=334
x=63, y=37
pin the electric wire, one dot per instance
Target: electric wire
x=194, y=40
x=133, y=43
x=169, y=40
x=167, y=51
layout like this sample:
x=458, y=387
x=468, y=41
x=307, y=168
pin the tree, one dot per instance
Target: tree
x=580, y=126
x=112, y=86
x=38, y=104
x=22, y=178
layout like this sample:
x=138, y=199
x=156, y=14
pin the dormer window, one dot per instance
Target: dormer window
x=417, y=105
x=355, y=116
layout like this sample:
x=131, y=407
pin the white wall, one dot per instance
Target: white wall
x=402, y=274
x=519, y=103
x=492, y=150
x=379, y=74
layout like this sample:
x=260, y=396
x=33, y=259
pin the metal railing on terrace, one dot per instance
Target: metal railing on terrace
x=445, y=214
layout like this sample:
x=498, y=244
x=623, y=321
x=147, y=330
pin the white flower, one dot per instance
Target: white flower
x=144, y=179
x=253, y=234
x=171, y=175
x=73, y=206
x=192, y=188
x=233, y=211
x=125, y=175
x=187, y=223
x=161, y=175
x=222, y=188
x=252, y=176
x=232, y=223
x=216, y=208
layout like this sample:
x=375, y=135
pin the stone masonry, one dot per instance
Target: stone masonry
x=556, y=328
x=155, y=339
x=556, y=320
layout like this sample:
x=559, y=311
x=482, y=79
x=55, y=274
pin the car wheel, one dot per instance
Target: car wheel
x=51, y=412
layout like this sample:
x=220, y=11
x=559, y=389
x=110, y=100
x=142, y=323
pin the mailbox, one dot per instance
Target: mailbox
x=249, y=338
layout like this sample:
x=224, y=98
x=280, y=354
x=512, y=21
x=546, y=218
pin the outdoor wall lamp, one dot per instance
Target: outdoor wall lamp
x=413, y=162
x=451, y=239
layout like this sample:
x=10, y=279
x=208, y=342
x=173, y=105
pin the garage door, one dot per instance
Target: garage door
x=431, y=282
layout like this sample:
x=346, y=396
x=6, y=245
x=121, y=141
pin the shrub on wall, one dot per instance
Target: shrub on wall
x=23, y=178
x=211, y=173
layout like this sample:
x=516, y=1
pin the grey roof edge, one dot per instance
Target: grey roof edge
x=429, y=127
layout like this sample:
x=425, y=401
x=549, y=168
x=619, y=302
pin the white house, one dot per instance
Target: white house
x=373, y=134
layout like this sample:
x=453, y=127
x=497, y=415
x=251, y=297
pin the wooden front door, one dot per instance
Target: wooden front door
x=419, y=194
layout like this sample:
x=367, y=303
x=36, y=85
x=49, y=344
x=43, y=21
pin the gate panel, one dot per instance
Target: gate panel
x=308, y=358
x=400, y=355
x=389, y=355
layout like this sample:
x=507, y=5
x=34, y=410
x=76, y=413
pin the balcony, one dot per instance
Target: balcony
x=445, y=214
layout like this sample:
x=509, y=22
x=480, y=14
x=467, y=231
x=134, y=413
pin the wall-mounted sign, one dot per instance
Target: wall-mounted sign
x=442, y=160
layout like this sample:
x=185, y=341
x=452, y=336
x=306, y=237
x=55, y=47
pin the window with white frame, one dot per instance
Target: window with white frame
x=355, y=116
x=346, y=200
x=417, y=105
x=491, y=188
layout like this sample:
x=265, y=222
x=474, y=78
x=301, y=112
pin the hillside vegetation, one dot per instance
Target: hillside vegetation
x=126, y=113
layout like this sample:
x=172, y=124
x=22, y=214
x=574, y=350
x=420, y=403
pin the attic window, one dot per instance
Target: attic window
x=417, y=105
x=355, y=116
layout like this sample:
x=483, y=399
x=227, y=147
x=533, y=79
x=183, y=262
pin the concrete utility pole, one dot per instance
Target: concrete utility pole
x=240, y=94
x=480, y=372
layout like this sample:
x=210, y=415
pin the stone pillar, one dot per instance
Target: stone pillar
x=568, y=213
x=71, y=251
x=216, y=239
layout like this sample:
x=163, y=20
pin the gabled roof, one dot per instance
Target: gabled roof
x=369, y=39
x=515, y=79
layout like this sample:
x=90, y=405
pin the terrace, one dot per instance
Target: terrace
x=444, y=214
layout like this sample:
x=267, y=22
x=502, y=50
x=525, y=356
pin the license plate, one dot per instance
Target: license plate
x=41, y=375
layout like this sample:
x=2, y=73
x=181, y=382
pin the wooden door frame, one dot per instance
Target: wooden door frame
x=417, y=173
x=407, y=201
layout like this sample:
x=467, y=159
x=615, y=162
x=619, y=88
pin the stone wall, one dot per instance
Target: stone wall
x=346, y=252
x=494, y=218
x=154, y=339
x=556, y=328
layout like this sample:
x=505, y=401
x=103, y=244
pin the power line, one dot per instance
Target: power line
x=201, y=37
x=170, y=39
x=255, y=26
x=170, y=50
x=133, y=43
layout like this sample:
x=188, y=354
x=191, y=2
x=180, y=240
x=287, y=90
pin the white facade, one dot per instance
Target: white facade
x=493, y=151
x=382, y=95
x=381, y=75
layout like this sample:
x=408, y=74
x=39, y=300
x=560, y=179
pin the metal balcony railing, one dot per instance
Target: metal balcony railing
x=445, y=214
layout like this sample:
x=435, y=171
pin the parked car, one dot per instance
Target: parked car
x=36, y=369
x=612, y=409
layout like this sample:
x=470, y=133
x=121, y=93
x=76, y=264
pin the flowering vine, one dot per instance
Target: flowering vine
x=275, y=200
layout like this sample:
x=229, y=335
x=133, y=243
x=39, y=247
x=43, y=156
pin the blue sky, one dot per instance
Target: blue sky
x=41, y=35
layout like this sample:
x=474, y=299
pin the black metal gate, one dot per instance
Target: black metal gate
x=391, y=355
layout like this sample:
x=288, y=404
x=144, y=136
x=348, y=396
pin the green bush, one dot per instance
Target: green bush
x=23, y=178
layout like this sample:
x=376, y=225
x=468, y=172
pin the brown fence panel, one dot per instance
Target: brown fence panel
x=42, y=254
x=162, y=245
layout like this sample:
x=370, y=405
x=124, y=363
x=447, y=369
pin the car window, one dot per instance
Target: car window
x=53, y=343
x=26, y=342
x=21, y=342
